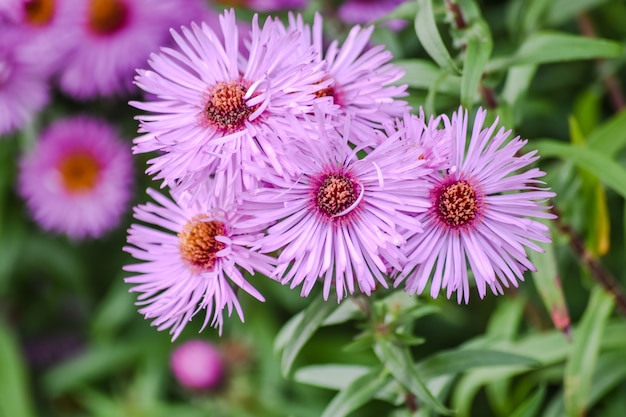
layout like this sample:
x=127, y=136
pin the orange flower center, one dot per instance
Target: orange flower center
x=457, y=204
x=80, y=172
x=197, y=244
x=107, y=16
x=336, y=194
x=226, y=109
x=39, y=12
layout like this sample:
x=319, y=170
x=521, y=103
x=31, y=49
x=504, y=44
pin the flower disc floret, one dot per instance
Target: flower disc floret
x=336, y=193
x=457, y=203
x=107, y=16
x=226, y=110
x=197, y=243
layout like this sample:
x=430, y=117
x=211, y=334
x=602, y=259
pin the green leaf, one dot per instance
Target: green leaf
x=428, y=34
x=423, y=74
x=609, y=137
x=461, y=360
x=95, y=363
x=545, y=47
x=15, y=399
x=581, y=363
x=607, y=170
x=517, y=83
x=532, y=405
x=477, y=53
x=358, y=393
x=505, y=321
x=399, y=362
x=331, y=376
x=548, y=283
x=312, y=319
x=561, y=11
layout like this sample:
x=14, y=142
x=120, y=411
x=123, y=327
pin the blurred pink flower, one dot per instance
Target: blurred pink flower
x=77, y=179
x=194, y=253
x=197, y=365
x=115, y=37
x=369, y=11
x=479, y=213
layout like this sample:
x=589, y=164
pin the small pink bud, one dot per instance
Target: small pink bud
x=197, y=365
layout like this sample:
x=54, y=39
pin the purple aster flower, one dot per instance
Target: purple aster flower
x=274, y=5
x=23, y=87
x=48, y=29
x=368, y=11
x=342, y=219
x=193, y=261
x=218, y=110
x=361, y=79
x=116, y=36
x=77, y=178
x=198, y=365
x=11, y=10
x=479, y=215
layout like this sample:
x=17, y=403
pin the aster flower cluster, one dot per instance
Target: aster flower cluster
x=298, y=160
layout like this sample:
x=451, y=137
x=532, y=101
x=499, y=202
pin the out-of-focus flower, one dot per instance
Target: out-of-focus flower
x=217, y=110
x=196, y=264
x=340, y=216
x=274, y=5
x=197, y=365
x=361, y=79
x=368, y=11
x=77, y=179
x=11, y=10
x=115, y=38
x=479, y=214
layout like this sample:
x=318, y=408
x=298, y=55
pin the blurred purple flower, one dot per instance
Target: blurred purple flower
x=77, y=179
x=196, y=264
x=23, y=86
x=368, y=11
x=115, y=37
x=197, y=365
x=340, y=216
x=361, y=78
x=479, y=214
x=275, y=5
x=219, y=111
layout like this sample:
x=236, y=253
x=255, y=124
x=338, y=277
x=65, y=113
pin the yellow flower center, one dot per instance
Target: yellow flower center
x=39, y=12
x=336, y=194
x=226, y=109
x=107, y=16
x=197, y=243
x=80, y=172
x=457, y=204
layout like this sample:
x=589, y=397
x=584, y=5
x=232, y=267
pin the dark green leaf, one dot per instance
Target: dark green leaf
x=477, y=53
x=15, y=398
x=358, y=393
x=428, y=34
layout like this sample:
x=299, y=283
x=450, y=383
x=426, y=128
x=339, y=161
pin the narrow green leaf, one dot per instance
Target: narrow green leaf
x=422, y=74
x=607, y=170
x=518, y=81
x=312, y=319
x=609, y=137
x=399, y=362
x=531, y=406
x=93, y=364
x=477, y=53
x=331, y=376
x=358, y=393
x=428, y=34
x=561, y=11
x=545, y=47
x=15, y=399
x=610, y=371
x=548, y=283
x=580, y=366
x=461, y=360
x=505, y=321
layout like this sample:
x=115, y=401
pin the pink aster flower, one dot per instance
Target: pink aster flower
x=77, y=178
x=361, y=78
x=342, y=219
x=115, y=37
x=274, y=5
x=198, y=365
x=480, y=214
x=23, y=86
x=219, y=110
x=194, y=261
x=368, y=11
